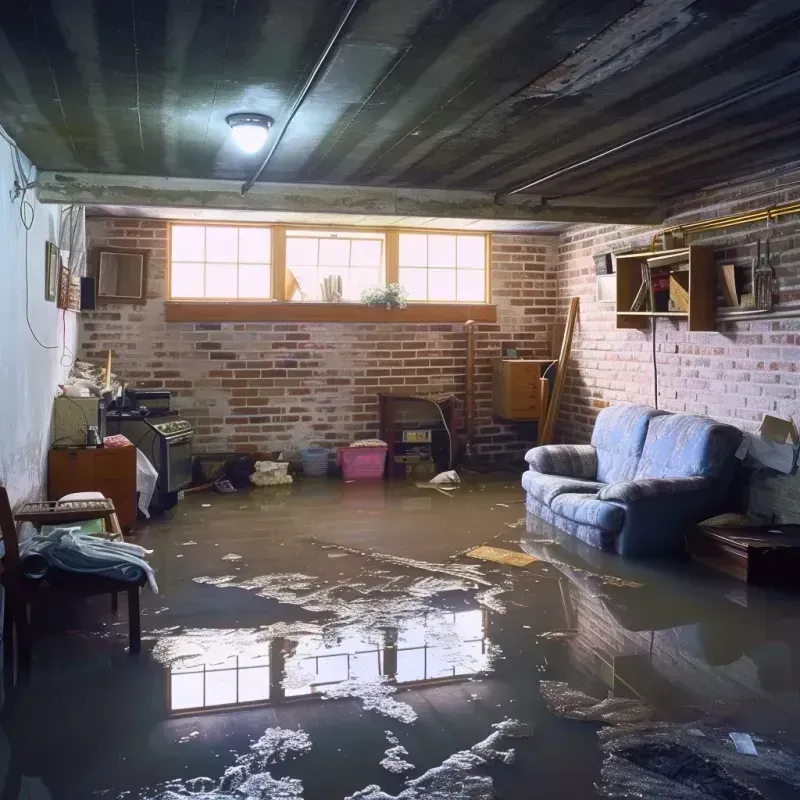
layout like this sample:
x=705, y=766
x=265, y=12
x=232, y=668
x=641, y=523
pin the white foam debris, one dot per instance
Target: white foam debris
x=470, y=572
x=275, y=745
x=231, y=557
x=391, y=738
x=454, y=778
x=190, y=543
x=567, y=702
x=248, y=778
x=565, y=634
x=394, y=760
x=488, y=599
x=375, y=694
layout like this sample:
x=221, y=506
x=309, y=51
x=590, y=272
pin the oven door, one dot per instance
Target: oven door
x=176, y=463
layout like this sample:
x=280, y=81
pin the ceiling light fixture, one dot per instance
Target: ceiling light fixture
x=249, y=131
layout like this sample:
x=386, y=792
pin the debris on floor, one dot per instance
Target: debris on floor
x=248, y=778
x=565, y=634
x=394, y=760
x=501, y=556
x=375, y=694
x=455, y=778
x=698, y=760
x=463, y=571
x=567, y=702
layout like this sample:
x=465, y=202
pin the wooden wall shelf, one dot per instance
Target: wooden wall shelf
x=702, y=290
x=242, y=311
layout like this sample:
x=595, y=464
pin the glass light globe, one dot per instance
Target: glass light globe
x=249, y=136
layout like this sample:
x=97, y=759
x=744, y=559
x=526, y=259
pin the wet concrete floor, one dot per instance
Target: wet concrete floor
x=344, y=622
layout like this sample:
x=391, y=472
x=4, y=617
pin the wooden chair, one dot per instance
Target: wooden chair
x=58, y=585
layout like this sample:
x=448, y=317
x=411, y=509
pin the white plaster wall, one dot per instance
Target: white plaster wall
x=29, y=374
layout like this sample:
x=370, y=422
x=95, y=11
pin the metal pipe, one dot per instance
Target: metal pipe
x=302, y=96
x=745, y=218
x=720, y=104
x=743, y=316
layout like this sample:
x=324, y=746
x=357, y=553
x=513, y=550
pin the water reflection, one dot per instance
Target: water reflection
x=434, y=647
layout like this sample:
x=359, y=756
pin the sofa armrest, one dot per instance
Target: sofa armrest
x=567, y=460
x=632, y=491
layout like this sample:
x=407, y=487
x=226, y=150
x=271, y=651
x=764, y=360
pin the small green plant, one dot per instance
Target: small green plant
x=391, y=296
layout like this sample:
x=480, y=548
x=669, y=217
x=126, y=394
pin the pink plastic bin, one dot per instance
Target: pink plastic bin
x=361, y=463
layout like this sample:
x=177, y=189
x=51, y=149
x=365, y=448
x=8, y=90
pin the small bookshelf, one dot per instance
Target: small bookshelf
x=677, y=284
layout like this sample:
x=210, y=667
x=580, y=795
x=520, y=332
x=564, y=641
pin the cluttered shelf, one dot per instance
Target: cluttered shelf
x=679, y=284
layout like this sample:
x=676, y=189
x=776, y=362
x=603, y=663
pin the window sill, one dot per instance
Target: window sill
x=244, y=311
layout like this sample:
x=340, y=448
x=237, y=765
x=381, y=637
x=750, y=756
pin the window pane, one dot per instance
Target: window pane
x=441, y=285
x=187, y=280
x=221, y=688
x=471, y=285
x=471, y=252
x=188, y=243
x=441, y=251
x=254, y=246
x=308, y=282
x=365, y=253
x=360, y=279
x=415, y=282
x=253, y=684
x=413, y=250
x=186, y=691
x=301, y=251
x=410, y=665
x=221, y=280
x=222, y=244
x=254, y=280
x=334, y=252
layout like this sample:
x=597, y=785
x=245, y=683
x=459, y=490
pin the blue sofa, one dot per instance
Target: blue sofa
x=645, y=478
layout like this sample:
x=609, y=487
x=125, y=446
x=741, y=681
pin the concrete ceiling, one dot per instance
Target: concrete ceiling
x=441, y=94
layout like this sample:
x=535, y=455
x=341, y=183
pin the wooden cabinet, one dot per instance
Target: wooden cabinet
x=698, y=285
x=515, y=387
x=110, y=470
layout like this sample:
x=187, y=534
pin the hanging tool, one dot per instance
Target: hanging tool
x=764, y=278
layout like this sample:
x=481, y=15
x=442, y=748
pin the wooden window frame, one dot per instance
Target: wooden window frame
x=279, y=309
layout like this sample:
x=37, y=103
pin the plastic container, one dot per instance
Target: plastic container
x=361, y=463
x=315, y=461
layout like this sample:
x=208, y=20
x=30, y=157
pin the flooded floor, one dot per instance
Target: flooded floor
x=332, y=640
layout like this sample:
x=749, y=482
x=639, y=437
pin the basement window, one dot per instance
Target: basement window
x=226, y=272
x=358, y=258
x=220, y=262
x=443, y=268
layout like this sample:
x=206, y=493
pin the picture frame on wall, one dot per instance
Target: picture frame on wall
x=52, y=270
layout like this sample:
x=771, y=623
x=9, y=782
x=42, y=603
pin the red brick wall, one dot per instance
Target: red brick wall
x=278, y=386
x=734, y=374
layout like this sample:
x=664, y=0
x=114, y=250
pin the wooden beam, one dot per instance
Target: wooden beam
x=147, y=191
x=241, y=311
x=544, y=394
x=561, y=374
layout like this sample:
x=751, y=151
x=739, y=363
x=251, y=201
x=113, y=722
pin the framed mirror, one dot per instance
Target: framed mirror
x=121, y=275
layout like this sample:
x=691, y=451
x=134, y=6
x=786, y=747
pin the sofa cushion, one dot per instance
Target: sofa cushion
x=618, y=437
x=685, y=445
x=570, y=460
x=596, y=537
x=588, y=510
x=545, y=487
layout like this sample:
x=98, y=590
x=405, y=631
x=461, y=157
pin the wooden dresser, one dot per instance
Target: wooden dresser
x=515, y=387
x=110, y=470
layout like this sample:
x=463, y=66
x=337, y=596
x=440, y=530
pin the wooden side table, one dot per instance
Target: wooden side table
x=768, y=555
x=110, y=470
